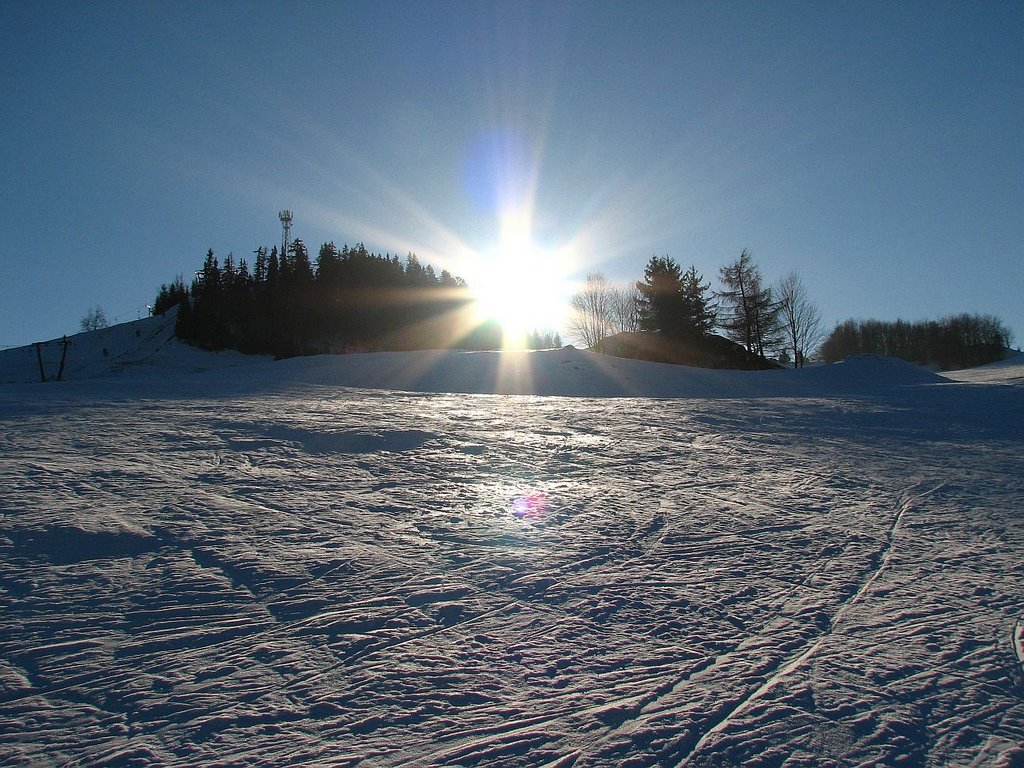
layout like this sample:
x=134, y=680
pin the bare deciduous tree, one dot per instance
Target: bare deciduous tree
x=799, y=319
x=626, y=310
x=94, y=319
x=592, y=310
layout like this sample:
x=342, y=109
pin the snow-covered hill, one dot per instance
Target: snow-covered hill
x=1008, y=371
x=374, y=560
x=147, y=348
x=142, y=347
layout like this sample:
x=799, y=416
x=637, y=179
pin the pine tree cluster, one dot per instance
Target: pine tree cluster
x=347, y=300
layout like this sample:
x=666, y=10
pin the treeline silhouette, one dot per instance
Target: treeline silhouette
x=347, y=300
x=959, y=341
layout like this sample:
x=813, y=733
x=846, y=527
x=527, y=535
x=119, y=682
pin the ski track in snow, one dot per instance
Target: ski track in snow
x=319, y=575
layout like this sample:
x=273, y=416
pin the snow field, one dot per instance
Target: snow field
x=239, y=569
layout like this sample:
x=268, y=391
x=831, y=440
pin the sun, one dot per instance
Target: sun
x=521, y=285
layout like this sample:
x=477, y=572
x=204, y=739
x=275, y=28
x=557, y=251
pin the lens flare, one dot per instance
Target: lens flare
x=532, y=506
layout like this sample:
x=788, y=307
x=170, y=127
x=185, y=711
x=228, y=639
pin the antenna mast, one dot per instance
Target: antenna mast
x=286, y=225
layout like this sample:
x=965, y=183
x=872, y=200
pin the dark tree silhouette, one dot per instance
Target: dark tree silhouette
x=545, y=340
x=170, y=295
x=748, y=314
x=959, y=341
x=674, y=303
x=94, y=319
x=349, y=299
x=799, y=319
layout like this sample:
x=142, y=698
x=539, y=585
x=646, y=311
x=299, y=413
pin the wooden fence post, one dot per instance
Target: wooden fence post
x=63, y=356
x=39, y=354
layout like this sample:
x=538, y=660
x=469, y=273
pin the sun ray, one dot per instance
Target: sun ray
x=519, y=280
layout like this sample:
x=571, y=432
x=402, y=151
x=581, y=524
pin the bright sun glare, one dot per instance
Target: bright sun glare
x=521, y=285
x=520, y=281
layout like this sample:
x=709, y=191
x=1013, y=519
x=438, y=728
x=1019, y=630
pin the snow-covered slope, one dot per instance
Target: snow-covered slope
x=1008, y=371
x=141, y=347
x=147, y=348
x=295, y=563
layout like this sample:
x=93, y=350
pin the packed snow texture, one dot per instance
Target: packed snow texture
x=366, y=561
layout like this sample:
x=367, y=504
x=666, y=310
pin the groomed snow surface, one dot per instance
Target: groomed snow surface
x=207, y=559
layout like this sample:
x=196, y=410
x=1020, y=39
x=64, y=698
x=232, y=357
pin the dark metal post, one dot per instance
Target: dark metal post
x=63, y=356
x=39, y=353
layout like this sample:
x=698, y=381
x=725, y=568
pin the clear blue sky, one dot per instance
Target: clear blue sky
x=875, y=148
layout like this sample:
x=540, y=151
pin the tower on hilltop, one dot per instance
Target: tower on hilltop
x=286, y=226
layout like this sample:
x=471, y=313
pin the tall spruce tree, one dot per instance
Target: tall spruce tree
x=701, y=312
x=673, y=303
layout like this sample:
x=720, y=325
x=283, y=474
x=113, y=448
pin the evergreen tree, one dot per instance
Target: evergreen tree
x=259, y=272
x=328, y=265
x=209, y=277
x=205, y=323
x=300, y=268
x=168, y=296
x=673, y=303
x=699, y=312
x=349, y=299
x=414, y=272
x=447, y=280
x=543, y=340
x=750, y=315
